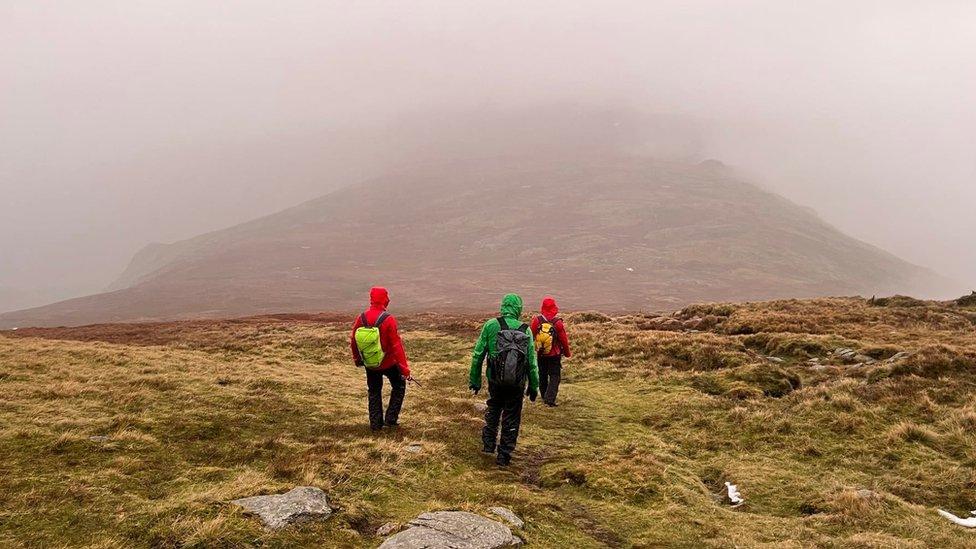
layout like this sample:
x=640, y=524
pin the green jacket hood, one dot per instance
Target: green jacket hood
x=511, y=306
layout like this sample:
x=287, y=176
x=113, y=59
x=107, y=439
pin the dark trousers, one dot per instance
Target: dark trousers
x=505, y=408
x=374, y=384
x=550, y=373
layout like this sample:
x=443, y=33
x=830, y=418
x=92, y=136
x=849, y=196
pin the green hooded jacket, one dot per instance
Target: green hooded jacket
x=511, y=310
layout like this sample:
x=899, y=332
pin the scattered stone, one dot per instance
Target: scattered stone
x=453, y=530
x=864, y=359
x=775, y=359
x=98, y=438
x=868, y=494
x=480, y=407
x=300, y=504
x=386, y=529
x=898, y=356
x=509, y=516
x=414, y=447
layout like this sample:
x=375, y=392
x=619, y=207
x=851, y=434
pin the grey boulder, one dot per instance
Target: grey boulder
x=453, y=530
x=300, y=504
x=509, y=516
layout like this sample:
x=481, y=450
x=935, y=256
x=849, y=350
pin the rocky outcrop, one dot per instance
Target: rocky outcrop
x=300, y=504
x=453, y=530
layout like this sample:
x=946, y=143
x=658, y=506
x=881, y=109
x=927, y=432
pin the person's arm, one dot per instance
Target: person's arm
x=478, y=357
x=535, y=325
x=396, y=345
x=357, y=359
x=533, y=365
x=563, y=339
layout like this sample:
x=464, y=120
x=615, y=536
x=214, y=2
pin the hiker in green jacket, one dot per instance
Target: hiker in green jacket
x=507, y=343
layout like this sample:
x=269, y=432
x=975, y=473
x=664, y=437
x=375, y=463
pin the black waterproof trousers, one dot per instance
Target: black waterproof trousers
x=550, y=373
x=374, y=384
x=505, y=408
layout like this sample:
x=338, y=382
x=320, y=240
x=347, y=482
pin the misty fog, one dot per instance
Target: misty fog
x=126, y=123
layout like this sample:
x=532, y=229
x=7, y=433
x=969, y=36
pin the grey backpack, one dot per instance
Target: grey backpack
x=510, y=365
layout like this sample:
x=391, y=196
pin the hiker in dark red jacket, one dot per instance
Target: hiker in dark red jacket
x=393, y=365
x=551, y=343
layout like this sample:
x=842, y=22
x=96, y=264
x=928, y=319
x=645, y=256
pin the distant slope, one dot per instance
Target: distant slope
x=615, y=233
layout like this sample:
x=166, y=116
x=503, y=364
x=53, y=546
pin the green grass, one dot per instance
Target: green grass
x=651, y=424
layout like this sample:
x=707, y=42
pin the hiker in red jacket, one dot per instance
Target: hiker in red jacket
x=551, y=344
x=393, y=363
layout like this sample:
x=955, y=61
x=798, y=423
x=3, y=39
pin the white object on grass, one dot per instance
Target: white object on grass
x=967, y=522
x=734, y=496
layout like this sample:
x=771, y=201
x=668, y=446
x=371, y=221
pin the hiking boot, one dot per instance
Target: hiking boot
x=551, y=404
x=391, y=424
x=503, y=459
x=488, y=449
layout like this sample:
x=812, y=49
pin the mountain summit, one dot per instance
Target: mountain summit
x=618, y=233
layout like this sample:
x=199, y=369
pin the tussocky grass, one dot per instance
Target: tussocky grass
x=650, y=426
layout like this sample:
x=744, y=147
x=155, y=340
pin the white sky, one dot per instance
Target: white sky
x=127, y=122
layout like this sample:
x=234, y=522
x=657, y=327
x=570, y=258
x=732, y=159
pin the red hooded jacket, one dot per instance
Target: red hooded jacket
x=549, y=310
x=394, y=354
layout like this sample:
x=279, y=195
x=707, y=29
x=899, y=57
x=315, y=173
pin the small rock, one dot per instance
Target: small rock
x=509, y=516
x=453, y=530
x=775, y=359
x=864, y=358
x=98, y=438
x=386, y=529
x=480, y=407
x=414, y=447
x=868, y=494
x=300, y=504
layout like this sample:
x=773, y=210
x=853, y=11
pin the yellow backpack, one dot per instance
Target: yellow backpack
x=546, y=337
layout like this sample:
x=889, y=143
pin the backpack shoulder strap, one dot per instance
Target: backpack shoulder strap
x=523, y=327
x=362, y=320
x=502, y=325
x=379, y=320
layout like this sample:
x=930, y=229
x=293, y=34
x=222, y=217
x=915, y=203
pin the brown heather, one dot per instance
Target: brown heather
x=652, y=423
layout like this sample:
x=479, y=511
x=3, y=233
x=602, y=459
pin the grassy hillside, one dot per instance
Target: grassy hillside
x=612, y=233
x=852, y=451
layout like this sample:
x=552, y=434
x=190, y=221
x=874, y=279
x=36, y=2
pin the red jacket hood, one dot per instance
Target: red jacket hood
x=379, y=298
x=549, y=308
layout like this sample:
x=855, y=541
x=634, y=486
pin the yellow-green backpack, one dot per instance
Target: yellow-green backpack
x=368, y=340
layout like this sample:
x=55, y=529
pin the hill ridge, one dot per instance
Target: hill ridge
x=620, y=233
